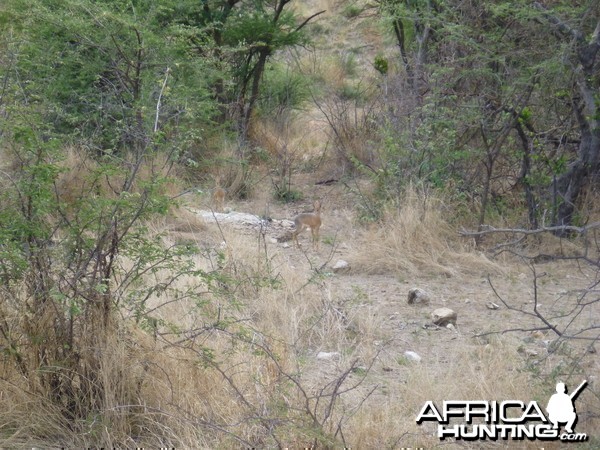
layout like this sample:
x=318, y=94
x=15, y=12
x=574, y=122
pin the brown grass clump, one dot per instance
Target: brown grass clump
x=415, y=237
x=81, y=176
x=75, y=179
x=180, y=220
x=135, y=408
x=234, y=175
x=387, y=420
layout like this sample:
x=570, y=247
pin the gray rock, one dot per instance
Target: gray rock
x=412, y=356
x=418, y=296
x=341, y=266
x=444, y=316
x=328, y=355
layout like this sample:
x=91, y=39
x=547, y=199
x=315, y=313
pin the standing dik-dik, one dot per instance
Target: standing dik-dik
x=218, y=195
x=309, y=220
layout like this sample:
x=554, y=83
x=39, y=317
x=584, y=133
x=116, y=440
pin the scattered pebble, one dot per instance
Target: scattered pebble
x=412, y=356
x=341, y=266
x=328, y=355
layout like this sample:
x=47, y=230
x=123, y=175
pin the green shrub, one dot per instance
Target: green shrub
x=283, y=91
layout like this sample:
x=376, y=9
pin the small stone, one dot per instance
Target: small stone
x=341, y=266
x=443, y=316
x=417, y=295
x=412, y=356
x=492, y=305
x=527, y=351
x=328, y=355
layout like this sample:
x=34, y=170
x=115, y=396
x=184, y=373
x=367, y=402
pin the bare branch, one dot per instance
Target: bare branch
x=563, y=228
x=162, y=89
x=562, y=331
x=308, y=20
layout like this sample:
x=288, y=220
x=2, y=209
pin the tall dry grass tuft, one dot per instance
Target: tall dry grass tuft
x=461, y=371
x=232, y=167
x=415, y=237
x=124, y=395
x=76, y=178
x=178, y=220
x=82, y=175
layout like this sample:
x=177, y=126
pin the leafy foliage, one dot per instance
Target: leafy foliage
x=284, y=91
x=99, y=101
x=96, y=70
x=492, y=92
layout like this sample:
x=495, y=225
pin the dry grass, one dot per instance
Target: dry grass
x=264, y=324
x=295, y=323
x=415, y=237
x=80, y=177
x=227, y=358
x=281, y=324
x=235, y=364
x=388, y=419
x=135, y=409
x=179, y=219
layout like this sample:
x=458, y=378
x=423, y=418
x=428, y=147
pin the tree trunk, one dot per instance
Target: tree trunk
x=257, y=74
x=586, y=167
x=580, y=172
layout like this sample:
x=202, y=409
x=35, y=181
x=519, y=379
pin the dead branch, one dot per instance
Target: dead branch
x=309, y=19
x=546, y=322
x=564, y=228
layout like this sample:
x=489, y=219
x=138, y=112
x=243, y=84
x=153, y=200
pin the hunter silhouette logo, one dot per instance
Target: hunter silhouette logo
x=560, y=406
x=508, y=419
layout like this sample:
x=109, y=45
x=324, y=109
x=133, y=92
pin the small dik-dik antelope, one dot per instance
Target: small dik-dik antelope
x=218, y=195
x=309, y=220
